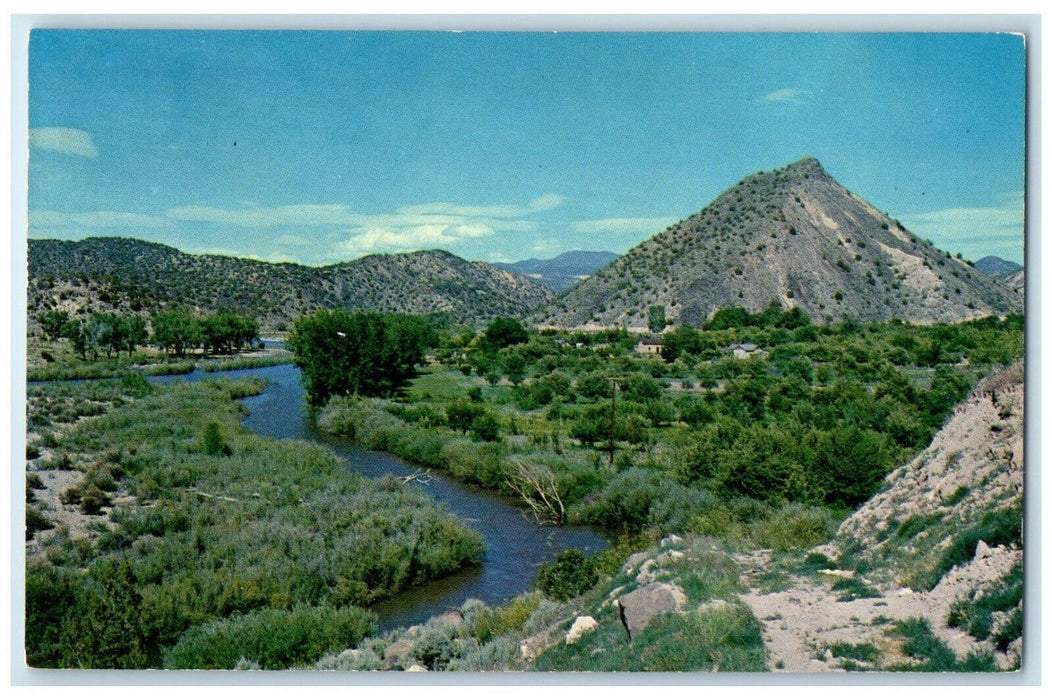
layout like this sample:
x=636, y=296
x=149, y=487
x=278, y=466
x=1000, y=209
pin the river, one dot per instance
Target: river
x=515, y=546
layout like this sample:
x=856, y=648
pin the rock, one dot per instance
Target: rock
x=581, y=626
x=717, y=604
x=642, y=605
x=634, y=561
x=646, y=574
x=669, y=557
x=416, y=668
x=396, y=651
x=982, y=550
x=533, y=646
x=671, y=540
x=450, y=618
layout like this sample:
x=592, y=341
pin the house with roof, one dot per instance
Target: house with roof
x=743, y=351
x=650, y=345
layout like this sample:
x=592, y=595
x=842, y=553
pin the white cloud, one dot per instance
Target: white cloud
x=545, y=202
x=94, y=219
x=412, y=227
x=625, y=225
x=975, y=231
x=258, y=217
x=390, y=239
x=62, y=139
x=789, y=94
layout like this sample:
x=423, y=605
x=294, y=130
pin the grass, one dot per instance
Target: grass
x=442, y=384
x=217, y=365
x=976, y=612
x=929, y=653
x=720, y=639
x=853, y=589
x=1000, y=527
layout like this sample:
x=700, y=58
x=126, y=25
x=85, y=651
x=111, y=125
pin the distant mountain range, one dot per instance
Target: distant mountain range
x=124, y=273
x=563, y=271
x=793, y=236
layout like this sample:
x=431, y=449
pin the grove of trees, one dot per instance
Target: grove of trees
x=370, y=354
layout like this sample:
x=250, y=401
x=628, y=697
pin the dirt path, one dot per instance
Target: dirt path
x=803, y=623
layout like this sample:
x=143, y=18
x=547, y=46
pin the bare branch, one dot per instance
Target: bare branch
x=536, y=485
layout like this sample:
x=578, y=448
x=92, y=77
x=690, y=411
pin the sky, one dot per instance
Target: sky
x=321, y=147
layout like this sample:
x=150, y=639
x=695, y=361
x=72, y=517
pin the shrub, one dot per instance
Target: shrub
x=274, y=639
x=212, y=441
x=36, y=522
x=795, y=526
x=571, y=574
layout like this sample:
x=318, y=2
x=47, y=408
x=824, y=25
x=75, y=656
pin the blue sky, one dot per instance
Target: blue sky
x=317, y=147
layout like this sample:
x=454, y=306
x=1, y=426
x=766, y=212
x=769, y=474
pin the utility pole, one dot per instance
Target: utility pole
x=613, y=417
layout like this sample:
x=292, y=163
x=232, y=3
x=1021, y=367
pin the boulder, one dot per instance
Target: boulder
x=642, y=605
x=396, y=651
x=417, y=668
x=982, y=550
x=669, y=557
x=671, y=541
x=581, y=626
x=634, y=561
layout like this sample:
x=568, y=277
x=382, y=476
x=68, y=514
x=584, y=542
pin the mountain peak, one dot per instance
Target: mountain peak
x=792, y=236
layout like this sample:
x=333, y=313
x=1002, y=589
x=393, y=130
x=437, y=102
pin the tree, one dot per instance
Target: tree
x=52, y=322
x=176, y=331
x=502, y=332
x=357, y=353
x=656, y=320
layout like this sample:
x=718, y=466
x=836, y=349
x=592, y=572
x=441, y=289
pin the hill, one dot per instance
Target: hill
x=997, y=267
x=563, y=271
x=129, y=274
x=941, y=543
x=794, y=236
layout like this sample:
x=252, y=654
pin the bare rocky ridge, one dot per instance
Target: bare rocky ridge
x=793, y=236
x=973, y=467
x=127, y=274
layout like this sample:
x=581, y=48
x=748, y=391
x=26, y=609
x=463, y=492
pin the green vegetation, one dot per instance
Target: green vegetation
x=929, y=653
x=1000, y=527
x=976, y=613
x=571, y=574
x=270, y=639
x=229, y=534
x=772, y=449
x=362, y=353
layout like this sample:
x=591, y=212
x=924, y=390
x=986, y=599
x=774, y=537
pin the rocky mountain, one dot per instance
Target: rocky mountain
x=998, y=267
x=794, y=236
x=563, y=271
x=1017, y=281
x=123, y=273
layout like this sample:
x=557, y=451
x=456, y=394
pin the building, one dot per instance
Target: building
x=649, y=346
x=743, y=351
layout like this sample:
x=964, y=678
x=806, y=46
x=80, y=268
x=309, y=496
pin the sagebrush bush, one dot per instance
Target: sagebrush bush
x=273, y=639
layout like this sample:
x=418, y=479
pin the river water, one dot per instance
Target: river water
x=515, y=546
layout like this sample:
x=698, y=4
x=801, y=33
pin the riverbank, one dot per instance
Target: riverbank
x=194, y=522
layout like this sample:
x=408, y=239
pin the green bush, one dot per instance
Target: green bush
x=795, y=526
x=571, y=574
x=273, y=639
x=36, y=522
